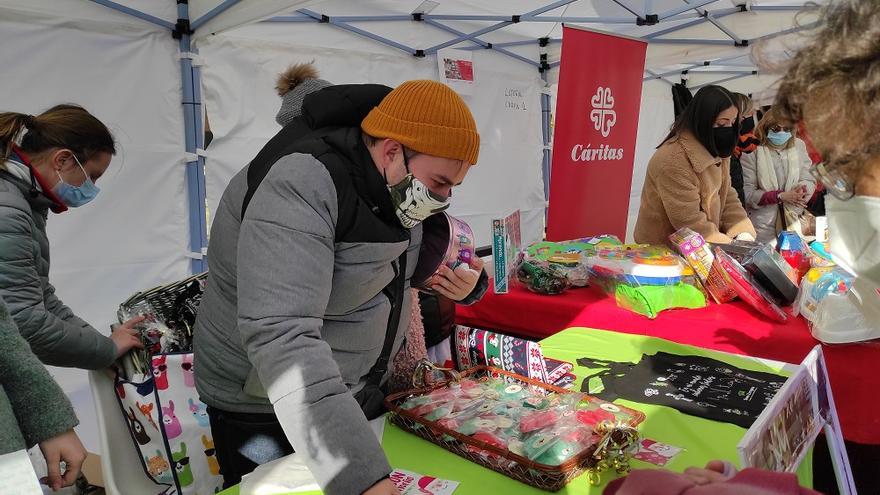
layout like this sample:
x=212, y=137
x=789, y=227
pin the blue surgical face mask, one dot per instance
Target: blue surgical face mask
x=74, y=196
x=779, y=138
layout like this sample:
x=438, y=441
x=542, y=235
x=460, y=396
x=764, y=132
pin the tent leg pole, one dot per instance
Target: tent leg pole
x=195, y=162
x=545, y=133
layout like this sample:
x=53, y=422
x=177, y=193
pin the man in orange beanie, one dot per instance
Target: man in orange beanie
x=309, y=273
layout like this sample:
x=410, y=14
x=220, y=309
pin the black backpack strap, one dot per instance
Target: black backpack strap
x=395, y=292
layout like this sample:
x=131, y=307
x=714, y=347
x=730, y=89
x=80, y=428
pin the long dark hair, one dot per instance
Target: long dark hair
x=700, y=115
x=62, y=126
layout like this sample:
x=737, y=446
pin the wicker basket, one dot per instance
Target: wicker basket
x=163, y=305
x=160, y=301
x=545, y=477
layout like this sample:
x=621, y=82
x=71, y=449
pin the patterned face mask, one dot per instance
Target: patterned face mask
x=413, y=201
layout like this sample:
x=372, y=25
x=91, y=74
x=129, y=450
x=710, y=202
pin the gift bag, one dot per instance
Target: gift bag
x=168, y=423
x=169, y=426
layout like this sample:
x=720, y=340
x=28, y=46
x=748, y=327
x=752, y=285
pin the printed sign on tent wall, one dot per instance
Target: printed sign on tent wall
x=597, y=118
x=457, y=69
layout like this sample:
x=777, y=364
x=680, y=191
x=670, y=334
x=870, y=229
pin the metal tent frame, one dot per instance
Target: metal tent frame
x=692, y=12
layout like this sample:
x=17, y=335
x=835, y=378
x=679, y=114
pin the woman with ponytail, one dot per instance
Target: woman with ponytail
x=50, y=161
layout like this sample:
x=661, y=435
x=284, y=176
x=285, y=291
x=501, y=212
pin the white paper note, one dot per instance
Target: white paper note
x=18, y=475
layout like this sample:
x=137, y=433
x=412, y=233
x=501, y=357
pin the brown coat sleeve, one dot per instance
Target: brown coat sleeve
x=734, y=220
x=679, y=191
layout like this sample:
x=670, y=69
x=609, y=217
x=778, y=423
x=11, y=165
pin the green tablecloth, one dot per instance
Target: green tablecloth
x=702, y=439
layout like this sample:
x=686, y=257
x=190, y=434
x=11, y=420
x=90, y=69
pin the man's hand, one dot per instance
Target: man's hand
x=384, y=487
x=459, y=283
x=65, y=447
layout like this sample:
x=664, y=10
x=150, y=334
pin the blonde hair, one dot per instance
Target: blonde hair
x=743, y=103
x=770, y=120
x=833, y=84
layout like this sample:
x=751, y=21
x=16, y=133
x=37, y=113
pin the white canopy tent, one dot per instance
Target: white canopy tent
x=118, y=59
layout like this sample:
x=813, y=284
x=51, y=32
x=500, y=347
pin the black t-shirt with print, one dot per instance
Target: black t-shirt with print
x=694, y=385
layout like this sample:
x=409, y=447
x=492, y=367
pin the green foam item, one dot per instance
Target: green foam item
x=650, y=300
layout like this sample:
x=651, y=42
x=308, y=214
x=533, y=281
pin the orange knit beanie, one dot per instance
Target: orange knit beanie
x=427, y=117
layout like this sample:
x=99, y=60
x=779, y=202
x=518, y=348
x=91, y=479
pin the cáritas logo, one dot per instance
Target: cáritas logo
x=604, y=117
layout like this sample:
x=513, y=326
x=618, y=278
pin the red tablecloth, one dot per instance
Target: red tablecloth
x=732, y=327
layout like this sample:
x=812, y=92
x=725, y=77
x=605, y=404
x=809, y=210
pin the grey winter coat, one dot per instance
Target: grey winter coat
x=55, y=334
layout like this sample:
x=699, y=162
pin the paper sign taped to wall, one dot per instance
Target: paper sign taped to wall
x=457, y=69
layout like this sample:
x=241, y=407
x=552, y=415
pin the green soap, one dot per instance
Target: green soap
x=558, y=453
x=439, y=413
x=536, y=403
x=650, y=300
x=469, y=427
x=414, y=402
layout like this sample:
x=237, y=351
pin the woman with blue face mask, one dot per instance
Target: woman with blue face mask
x=776, y=179
x=51, y=162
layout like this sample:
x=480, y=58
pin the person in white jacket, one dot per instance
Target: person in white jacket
x=776, y=179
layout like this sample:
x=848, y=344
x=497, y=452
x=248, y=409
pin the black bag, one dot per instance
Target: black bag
x=694, y=385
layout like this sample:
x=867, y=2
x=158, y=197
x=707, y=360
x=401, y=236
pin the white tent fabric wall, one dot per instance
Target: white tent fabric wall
x=239, y=78
x=655, y=118
x=134, y=235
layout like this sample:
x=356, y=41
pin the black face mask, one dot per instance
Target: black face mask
x=747, y=126
x=725, y=140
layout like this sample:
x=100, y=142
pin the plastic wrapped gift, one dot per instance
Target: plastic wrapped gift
x=768, y=269
x=643, y=279
x=565, y=257
x=820, y=256
x=542, y=277
x=818, y=284
x=698, y=254
x=840, y=315
x=533, y=432
x=746, y=287
x=570, y=264
x=795, y=251
x=544, y=250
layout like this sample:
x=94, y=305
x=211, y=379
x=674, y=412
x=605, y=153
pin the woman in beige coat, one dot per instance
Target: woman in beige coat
x=688, y=179
x=776, y=177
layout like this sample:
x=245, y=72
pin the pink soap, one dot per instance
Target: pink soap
x=538, y=420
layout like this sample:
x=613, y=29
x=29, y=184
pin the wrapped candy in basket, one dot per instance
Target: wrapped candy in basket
x=536, y=433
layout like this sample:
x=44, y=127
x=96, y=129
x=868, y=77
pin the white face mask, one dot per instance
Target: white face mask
x=854, y=227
